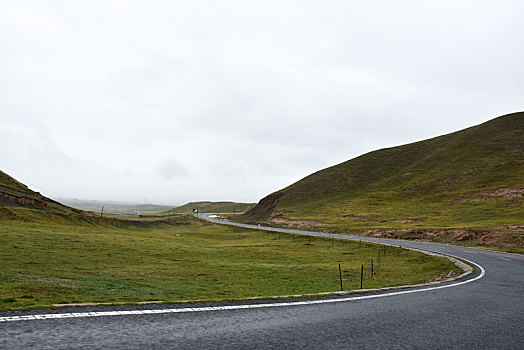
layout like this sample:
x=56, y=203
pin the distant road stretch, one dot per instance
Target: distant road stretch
x=472, y=313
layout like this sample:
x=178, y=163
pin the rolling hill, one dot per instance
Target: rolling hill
x=19, y=204
x=463, y=186
x=16, y=194
x=113, y=206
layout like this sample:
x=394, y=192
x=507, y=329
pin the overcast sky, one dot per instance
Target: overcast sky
x=174, y=101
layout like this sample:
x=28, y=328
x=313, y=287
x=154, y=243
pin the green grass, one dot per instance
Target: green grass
x=49, y=260
x=448, y=182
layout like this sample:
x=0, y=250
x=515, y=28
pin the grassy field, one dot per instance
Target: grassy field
x=466, y=188
x=48, y=259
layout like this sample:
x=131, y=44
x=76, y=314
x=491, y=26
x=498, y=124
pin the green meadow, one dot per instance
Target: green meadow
x=50, y=259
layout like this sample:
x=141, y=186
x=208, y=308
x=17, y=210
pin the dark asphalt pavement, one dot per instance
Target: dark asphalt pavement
x=484, y=314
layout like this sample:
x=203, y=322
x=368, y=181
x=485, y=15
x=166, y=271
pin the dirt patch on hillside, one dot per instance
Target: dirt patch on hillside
x=275, y=218
x=403, y=221
x=294, y=223
x=504, y=239
x=23, y=201
x=502, y=193
x=360, y=218
x=457, y=235
x=514, y=228
x=354, y=217
x=505, y=193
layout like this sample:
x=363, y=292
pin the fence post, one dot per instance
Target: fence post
x=340, y=276
x=361, y=275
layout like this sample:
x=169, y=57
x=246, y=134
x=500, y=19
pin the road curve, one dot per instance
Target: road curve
x=484, y=313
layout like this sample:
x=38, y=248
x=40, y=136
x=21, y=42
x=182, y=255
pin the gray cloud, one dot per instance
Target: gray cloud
x=98, y=99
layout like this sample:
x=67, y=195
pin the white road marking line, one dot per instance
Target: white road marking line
x=465, y=251
x=504, y=259
x=236, y=307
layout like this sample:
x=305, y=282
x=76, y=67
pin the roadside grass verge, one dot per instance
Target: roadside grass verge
x=59, y=262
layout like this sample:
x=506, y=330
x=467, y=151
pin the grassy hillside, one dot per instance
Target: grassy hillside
x=16, y=194
x=19, y=203
x=465, y=186
x=212, y=207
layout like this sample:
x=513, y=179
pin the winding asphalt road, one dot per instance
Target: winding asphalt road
x=486, y=312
